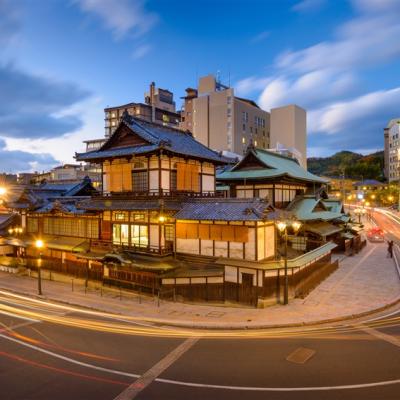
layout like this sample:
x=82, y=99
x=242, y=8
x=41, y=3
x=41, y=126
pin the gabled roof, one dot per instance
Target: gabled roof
x=270, y=165
x=308, y=208
x=64, y=206
x=223, y=209
x=154, y=137
x=38, y=196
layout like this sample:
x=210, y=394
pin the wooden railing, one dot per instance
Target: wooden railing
x=151, y=194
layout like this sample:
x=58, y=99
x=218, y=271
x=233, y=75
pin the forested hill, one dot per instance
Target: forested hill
x=353, y=165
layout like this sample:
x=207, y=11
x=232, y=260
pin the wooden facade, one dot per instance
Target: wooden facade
x=245, y=240
x=158, y=174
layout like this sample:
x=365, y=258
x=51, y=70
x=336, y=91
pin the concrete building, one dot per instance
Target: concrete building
x=70, y=173
x=222, y=121
x=392, y=150
x=289, y=130
x=159, y=107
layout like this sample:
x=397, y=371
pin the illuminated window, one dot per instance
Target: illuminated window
x=120, y=216
x=138, y=217
x=121, y=234
x=139, y=235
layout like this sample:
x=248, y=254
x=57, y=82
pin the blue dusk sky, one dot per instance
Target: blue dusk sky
x=63, y=61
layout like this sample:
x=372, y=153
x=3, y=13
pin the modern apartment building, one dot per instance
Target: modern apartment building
x=289, y=131
x=158, y=106
x=392, y=150
x=222, y=121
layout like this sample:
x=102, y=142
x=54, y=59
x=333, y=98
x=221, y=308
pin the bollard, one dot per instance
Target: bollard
x=72, y=284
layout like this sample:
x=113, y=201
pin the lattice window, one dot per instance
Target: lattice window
x=32, y=225
x=140, y=182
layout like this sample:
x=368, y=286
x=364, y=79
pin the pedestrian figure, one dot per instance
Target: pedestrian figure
x=390, y=249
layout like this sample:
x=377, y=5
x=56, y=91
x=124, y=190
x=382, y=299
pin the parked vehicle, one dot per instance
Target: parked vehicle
x=376, y=234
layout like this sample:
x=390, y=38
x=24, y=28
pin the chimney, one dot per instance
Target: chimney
x=152, y=101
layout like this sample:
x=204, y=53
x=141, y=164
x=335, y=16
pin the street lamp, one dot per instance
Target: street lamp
x=283, y=227
x=39, y=244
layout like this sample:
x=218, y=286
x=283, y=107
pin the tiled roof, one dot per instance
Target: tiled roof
x=225, y=210
x=305, y=209
x=69, y=207
x=41, y=197
x=126, y=204
x=158, y=137
x=6, y=220
x=322, y=228
x=276, y=165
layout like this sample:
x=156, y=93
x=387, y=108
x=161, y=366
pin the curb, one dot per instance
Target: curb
x=201, y=326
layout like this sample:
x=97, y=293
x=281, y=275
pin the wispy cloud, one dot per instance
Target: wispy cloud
x=141, y=51
x=260, y=37
x=9, y=22
x=308, y=5
x=122, y=16
x=325, y=78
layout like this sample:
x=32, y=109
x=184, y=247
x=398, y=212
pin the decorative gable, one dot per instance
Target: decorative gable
x=319, y=207
x=250, y=162
x=124, y=137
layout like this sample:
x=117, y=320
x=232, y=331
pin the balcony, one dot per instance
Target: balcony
x=156, y=194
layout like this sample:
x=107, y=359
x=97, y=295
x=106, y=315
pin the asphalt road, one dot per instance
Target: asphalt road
x=50, y=351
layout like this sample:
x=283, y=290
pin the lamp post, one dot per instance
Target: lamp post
x=39, y=245
x=283, y=227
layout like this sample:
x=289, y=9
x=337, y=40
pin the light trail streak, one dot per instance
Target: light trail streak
x=61, y=370
x=61, y=348
x=129, y=329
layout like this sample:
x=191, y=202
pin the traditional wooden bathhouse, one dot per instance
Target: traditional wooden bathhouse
x=269, y=175
x=162, y=223
x=159, y=197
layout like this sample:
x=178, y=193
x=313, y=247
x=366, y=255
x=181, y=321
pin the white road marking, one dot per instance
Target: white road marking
x=70, y=360
x=151, y=375
x=210, y=386
x=281, y=389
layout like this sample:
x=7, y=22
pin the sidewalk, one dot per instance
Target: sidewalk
x=364, y=282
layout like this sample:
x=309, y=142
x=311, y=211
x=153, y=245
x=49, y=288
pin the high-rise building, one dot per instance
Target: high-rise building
x=289, y=131
x=392, y=150
x=159, y=107
x=222, y=121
